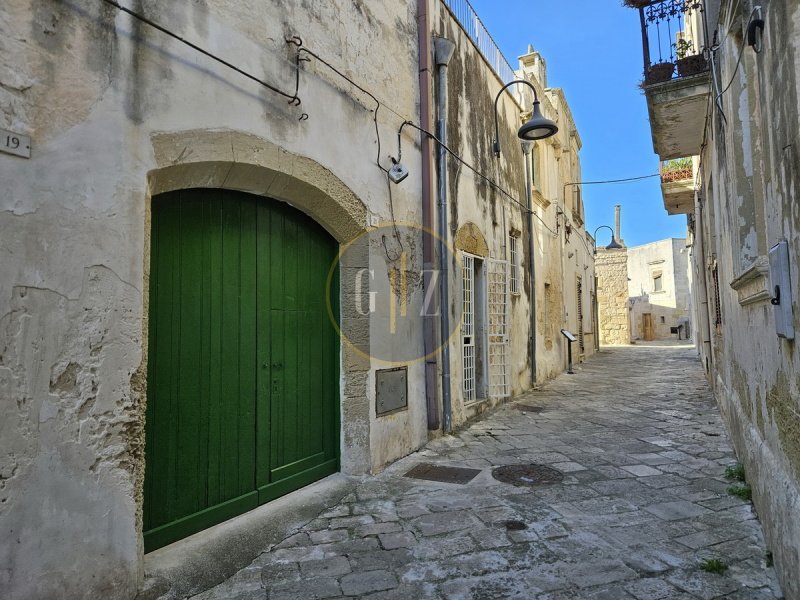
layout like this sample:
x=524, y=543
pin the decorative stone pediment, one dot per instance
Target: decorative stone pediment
x=470, y=239
x=752, y=286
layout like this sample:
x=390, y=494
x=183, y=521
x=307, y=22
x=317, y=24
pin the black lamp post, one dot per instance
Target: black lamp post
x=614, y=245
x=538, y=127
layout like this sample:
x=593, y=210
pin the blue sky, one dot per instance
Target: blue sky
x=593, y=50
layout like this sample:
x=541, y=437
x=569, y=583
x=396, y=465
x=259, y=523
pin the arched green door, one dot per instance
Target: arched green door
x=243, y=361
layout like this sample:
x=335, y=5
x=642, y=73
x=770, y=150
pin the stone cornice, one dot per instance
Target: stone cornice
x=751, y=286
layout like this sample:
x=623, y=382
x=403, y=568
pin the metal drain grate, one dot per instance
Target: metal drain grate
x=443, y=474
x=527, y=475
x=528, y=408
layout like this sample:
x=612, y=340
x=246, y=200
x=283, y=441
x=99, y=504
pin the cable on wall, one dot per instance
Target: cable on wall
x=294, y=99
x=463, y=162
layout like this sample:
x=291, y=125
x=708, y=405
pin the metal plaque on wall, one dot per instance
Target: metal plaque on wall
x=391, y=390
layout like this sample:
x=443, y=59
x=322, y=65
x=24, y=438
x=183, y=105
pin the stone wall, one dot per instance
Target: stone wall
x=747, y=203
x=669, y=306
x=117, y=112
x=611, y=267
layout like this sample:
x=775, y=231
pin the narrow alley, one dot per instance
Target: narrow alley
x=642, y=509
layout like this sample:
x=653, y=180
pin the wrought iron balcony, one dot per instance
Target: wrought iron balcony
x=677, y=186
x=676, y=74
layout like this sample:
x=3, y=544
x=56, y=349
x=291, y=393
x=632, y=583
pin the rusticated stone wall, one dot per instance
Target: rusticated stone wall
x=611, y=267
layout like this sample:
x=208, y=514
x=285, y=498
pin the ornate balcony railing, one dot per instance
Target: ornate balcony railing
x=472, y=25
x=672, y=39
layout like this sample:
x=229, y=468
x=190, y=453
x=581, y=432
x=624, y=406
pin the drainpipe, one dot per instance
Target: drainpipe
x=429, y=321
x=704, y=330
x=526, y=150
x=442, y=53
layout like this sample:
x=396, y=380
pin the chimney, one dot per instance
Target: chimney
x=618, y=226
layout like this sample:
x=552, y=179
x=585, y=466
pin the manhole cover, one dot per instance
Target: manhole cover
x=529, y=408
x=431, y=472
x=515, y=525
x=527, y=475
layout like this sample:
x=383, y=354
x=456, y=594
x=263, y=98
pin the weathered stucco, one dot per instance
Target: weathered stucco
x=119, y=112
x=481, y=218
x=750, y=177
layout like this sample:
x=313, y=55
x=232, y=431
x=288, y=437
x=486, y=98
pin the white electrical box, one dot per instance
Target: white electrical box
x=780, y=283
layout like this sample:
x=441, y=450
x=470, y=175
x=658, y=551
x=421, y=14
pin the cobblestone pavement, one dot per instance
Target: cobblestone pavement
x=642, y=504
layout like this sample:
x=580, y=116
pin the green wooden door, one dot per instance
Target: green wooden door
x=243, y=362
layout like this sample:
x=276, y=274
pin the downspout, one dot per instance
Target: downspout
x=442, y=53
x=700, y=247
x=429, y=321
x=526, y=150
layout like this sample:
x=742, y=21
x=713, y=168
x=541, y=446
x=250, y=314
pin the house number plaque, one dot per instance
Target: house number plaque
x=15, y=143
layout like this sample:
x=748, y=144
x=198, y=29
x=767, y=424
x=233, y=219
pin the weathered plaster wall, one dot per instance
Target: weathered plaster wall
x=669, y=258
x=100, y=95
x=751, y=178
x=611, y=267
x=559, y=257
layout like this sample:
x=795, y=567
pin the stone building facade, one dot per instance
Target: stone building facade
x=658, y=290
x=176, y=229
x=738, y=118
x=611, y=267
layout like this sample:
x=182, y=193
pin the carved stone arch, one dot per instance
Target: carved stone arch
x=240, y=161
x=470, y=239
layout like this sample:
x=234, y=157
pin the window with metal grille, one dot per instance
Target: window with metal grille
x=513, y=279
x=468, y=329
x=499, y=363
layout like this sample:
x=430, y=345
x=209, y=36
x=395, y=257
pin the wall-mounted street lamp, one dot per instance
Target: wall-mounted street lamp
x=614, y=245
x=538, y=127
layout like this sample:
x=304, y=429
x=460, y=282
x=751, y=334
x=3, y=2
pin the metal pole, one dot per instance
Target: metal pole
x=569, y=358
x=443, y=51
x=526, y=149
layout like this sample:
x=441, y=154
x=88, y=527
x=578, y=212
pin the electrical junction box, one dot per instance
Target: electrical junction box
x=780, y=283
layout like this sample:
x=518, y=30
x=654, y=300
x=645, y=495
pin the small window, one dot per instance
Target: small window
x=657, y=284
x=513, y=243
x=663, y=320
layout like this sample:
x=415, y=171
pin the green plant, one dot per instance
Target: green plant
x=677, y=164
x=735, y=472
x=744, y=491
x=684, y=48
x=713, y=565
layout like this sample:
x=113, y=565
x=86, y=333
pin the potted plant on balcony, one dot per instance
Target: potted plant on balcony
x=661, y=71
x=689, y=63
x=636, y=3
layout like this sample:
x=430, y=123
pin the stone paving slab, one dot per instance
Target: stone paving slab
x=643, y=502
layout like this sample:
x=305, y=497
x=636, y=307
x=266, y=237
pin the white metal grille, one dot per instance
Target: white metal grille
x=468, y=329
x=497, y=290
x=513, y=243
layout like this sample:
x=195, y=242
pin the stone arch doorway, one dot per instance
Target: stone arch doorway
x=236, y=161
